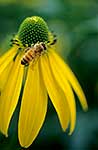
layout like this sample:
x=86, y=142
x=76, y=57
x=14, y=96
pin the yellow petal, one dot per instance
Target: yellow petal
x=65, y=86
x=33, y=107
x=56, y=94
x=71, y=78
x=7, y=58
x=5, y=75
x=10, y=95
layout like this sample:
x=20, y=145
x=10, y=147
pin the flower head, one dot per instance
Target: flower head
x=32, y=30
x=32, y=52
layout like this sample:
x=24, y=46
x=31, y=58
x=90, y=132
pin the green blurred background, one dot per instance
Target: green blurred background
x=75, y=23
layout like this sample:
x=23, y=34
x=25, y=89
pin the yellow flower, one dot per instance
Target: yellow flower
x=39, y=73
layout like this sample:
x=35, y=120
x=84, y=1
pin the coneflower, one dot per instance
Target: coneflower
x=47, y=74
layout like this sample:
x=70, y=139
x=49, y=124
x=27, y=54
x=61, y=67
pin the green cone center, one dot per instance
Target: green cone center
x=32, y=30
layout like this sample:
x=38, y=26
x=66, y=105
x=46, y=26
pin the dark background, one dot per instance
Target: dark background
x=75, y=23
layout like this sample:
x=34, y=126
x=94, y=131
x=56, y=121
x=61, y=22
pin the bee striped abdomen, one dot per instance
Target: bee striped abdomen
x=24, y=61
x=27, y=58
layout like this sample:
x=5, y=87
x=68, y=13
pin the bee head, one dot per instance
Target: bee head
x=44, y=46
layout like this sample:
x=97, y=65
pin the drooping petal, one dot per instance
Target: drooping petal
x=65, y=86
x=71, y=78
x=56, y=94
x=9, y=96
x=5, y=75
x=7, y=58
x=33, y=107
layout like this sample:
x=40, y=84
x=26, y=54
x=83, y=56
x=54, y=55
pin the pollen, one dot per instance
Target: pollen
x=32, y=30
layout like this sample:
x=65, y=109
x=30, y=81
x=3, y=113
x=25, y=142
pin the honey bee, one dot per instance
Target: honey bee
x=33, y=52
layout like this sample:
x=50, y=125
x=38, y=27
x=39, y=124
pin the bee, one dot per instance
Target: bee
x=33, y=52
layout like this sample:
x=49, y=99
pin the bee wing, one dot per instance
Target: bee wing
x=34, y=62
